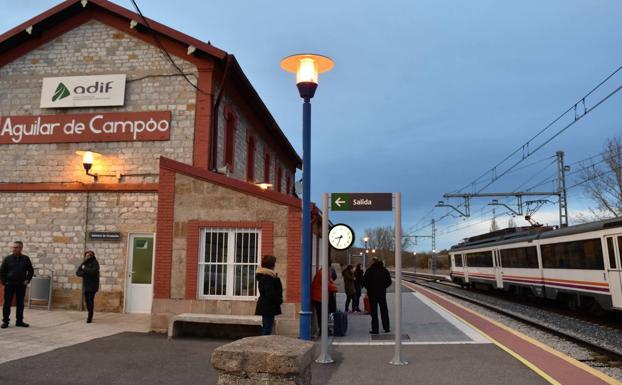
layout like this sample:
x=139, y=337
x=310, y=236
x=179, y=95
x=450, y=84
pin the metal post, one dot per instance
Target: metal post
x=324, y=357
x=397, y=359
x=561, y=189
x=365, y=257
x=433, y=247
x=305, y=312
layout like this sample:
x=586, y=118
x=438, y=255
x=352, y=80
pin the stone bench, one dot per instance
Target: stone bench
x=220, y=325
x=274, y=360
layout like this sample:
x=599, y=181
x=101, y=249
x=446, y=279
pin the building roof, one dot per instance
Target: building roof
x=70, y=9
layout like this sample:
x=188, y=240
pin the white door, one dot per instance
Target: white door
x=498, y=273
x=614, y=270
x=139, y=293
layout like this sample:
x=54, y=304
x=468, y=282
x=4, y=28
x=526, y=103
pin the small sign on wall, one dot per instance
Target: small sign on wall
x=104, y=236
x=83, y=91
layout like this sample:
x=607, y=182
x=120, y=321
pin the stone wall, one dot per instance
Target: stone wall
x=52, y=227
x=95, y=48
x=245, y=128
x=204, y=201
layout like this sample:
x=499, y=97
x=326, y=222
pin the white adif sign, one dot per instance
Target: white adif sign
x=83, y=91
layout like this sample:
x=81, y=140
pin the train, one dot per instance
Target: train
x=580, y=265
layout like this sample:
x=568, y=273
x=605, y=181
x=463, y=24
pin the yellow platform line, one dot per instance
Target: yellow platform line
x=522, y=359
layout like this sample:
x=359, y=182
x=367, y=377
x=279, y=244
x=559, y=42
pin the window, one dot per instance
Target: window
x=586, y=254
x=230, y=140
x=612, y=253
x=266, y=168
x=480, y=259
x=288, y=183
x=227, y=262
x=250, y=160
x=521, y=257
x=279, y=176
x=458, y=260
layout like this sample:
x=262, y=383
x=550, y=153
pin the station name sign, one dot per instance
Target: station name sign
x=104, y=127
x=361, y=201
x=83, y=91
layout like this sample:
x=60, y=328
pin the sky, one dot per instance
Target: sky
x=425, y=95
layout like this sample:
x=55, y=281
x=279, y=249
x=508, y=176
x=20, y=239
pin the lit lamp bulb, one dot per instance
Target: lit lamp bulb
x=307, y=71
x=87, y=160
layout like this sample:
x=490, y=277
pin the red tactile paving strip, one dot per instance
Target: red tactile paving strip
x=557, y=368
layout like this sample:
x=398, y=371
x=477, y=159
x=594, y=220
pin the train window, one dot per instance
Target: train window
x=481, y=259
x=612, y=253
x=457, y=260
x=585, y=254
x=521, y=257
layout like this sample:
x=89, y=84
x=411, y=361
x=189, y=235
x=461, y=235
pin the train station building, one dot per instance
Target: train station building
x=170, y=201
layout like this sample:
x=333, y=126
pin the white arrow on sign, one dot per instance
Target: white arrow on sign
x=339, y=201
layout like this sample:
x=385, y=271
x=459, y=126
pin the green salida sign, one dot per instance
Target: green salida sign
x=361, y=201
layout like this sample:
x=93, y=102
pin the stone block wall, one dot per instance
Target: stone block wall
x=244, y=128
x=95, y=48
x=52, y=227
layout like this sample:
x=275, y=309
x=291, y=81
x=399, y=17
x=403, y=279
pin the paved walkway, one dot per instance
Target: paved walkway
x=54, y=329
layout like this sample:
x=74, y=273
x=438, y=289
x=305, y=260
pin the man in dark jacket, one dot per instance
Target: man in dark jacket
x=89, y=271
x=377, y=279
x=15, y=273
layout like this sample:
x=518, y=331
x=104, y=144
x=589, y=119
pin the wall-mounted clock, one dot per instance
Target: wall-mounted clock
x=341, y=236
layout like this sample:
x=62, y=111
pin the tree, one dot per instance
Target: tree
x=382, y=239
x=603, y=181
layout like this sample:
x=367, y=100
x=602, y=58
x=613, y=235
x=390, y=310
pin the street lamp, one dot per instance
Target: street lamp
x=365, y=239
x=306, y=67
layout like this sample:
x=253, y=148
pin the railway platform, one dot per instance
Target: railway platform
x=445, y=343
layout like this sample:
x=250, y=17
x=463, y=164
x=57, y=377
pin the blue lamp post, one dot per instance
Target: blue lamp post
x=306, y=67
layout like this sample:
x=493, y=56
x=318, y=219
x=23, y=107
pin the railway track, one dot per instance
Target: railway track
x=604, y=341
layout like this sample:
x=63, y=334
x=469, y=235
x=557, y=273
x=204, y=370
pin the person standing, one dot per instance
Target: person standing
x=89, y=271
x=348, y=282
x=358, y=285
x=270, y=294
x=377, y=279
x=15, y=273
x=316, y=296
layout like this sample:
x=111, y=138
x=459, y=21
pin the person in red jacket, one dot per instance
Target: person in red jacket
x=316, y=296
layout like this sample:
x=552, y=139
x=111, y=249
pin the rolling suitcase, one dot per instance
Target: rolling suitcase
x=340, y=325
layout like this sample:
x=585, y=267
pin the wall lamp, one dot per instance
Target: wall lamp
x=264, y=185
x=87, y=161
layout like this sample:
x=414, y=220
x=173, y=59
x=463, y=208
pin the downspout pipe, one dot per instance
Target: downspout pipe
x=214, y=124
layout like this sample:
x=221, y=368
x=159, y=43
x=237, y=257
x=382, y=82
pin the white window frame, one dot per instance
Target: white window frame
x=231, y=264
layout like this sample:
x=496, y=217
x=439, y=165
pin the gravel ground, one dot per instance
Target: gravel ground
x=602, y=335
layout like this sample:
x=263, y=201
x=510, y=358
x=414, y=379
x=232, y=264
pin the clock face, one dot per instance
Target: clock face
x=341, y=237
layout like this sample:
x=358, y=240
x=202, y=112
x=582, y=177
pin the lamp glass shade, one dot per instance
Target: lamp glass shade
x=87, y=158
x=307, y=71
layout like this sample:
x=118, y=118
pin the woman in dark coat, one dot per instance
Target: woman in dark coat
x=89, y=271
x=348, y=282
x=270, y=293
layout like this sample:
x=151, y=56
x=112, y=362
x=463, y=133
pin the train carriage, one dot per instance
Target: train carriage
x=579, y=264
